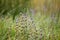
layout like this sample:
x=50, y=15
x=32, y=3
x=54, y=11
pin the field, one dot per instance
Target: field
x=29, y=19
x=29, y=27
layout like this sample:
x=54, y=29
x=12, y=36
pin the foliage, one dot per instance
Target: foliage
x=42, y=22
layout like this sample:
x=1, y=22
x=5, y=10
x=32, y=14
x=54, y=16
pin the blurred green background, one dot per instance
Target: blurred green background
x=29, y=20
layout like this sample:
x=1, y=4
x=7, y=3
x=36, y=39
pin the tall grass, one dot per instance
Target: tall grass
x=27, y=27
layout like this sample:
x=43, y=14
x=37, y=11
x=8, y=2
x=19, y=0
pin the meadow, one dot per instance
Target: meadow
x=27, y=27
x=29, y=20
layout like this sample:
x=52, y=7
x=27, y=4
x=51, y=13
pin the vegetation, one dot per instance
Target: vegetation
x=29, y=20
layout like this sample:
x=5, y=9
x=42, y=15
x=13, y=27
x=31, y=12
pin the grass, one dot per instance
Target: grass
x=41, y=27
